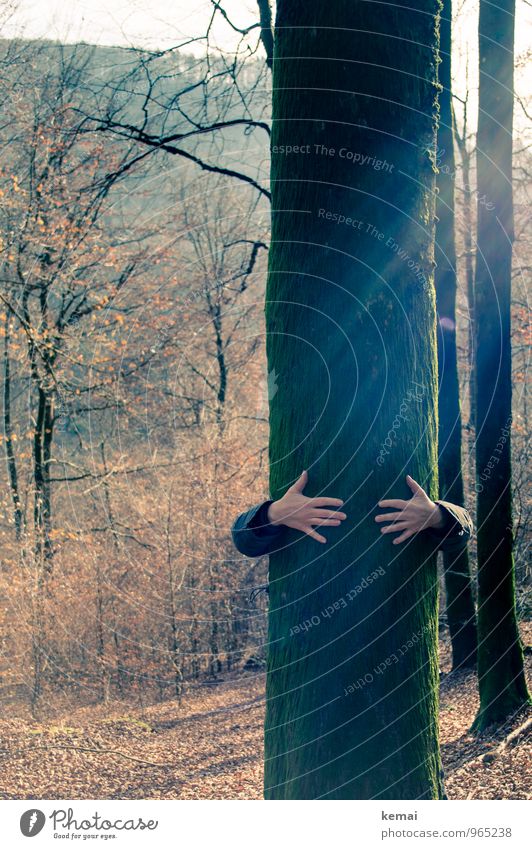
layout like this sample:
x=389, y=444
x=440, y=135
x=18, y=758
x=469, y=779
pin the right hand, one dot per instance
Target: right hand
x=302, y=513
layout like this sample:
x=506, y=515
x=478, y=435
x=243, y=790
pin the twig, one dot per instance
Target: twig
x=87, y=749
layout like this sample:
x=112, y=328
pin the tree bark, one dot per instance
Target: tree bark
x=42, y=445
x=459, y=593
x=266, y=33
x=502, y=682
x=352, y=668
x=469, y=253
x=8, y=431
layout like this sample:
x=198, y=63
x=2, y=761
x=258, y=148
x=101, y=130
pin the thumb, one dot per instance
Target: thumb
x=414, y=486
x=300, y=483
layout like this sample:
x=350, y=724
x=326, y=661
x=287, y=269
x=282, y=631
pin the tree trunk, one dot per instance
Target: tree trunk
x=175, y=643
x=42, y=445
x=38, y=636
x=465, y=157
x=500, y=662
x=101, y=652
x=8, y=431
x=460, y=604
x=352, y=673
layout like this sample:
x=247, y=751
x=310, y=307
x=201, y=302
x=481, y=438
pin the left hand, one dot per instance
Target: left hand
x=414, y=515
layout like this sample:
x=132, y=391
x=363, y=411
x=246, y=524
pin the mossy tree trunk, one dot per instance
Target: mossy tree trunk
x=500, y=658
x=458, y=588
x=352, y=668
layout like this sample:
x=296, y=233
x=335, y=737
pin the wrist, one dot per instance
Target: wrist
x=438, y=518
x=273, y=513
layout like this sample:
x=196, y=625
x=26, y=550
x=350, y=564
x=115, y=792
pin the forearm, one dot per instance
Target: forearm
x=252, y=532
x=454, y=528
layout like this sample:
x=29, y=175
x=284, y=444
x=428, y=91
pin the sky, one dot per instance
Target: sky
x=154, y=24
x=140, y=23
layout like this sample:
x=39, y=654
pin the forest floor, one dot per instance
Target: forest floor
x=209, y=746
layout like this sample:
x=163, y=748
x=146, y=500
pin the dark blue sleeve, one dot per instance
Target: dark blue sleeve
x=252, y=533
x=457, y=531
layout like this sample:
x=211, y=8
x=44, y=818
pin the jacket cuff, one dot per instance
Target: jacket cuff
x=261, y=525
x=452, y=527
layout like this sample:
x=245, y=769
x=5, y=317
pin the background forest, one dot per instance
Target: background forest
x=134, y=235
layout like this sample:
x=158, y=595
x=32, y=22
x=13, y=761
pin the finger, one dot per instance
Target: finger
x=399, y=526
x=393, y=502
x=389, y=517
x=416, y=488
x=300, y=483
x=403, y=536
x=330, y=522
x=326, y=502
x=318, y=537
x=327, y=514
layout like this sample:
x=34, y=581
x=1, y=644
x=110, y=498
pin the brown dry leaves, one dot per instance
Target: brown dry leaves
x=207, y=747
x=467, y=776
x=210, y=747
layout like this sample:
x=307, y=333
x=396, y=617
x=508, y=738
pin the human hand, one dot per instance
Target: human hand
x=302, y=513
x=413, y=516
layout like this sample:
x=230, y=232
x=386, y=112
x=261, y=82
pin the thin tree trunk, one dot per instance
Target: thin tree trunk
x=38, y=636
x=111, y=601
x=195, y=647
x=108, y=502
x=266, y=33
x=8, y=432
x=502, y=682
x=103, y=665
x=459, y=593
x=469, y=253
x=42, y=513
x=222, y=364
x=215, y=664
x=470, y=278
x=175, y=649
x=352, y=674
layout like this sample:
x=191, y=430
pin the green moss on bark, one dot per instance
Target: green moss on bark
x=502, y=682
x=458, y=586
x=350, y=315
